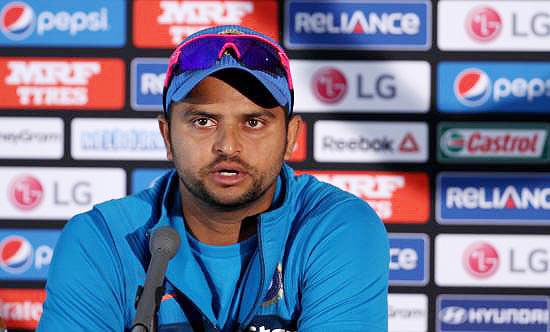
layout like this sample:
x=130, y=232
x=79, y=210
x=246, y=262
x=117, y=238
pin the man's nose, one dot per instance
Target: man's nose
x=228, y=141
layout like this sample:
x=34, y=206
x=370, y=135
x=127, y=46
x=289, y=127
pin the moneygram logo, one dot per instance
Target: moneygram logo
x=483, y=23
x=31, y=138
x=329, y=85
x=15, y=254
x=407, y=312
x=367, y=25
x=165, y=23
x=387, y=193
x=17, y=20
x=26, y=192
x=481, y=260
x=472, y=87
x=62, y=83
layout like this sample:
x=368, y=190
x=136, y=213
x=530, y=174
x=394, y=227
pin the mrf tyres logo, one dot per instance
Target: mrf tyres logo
x=485, y=87
x=480, y=313
x=388, y=193
x=62, y=23
x=491, y=198
x=474, y=142
x=165, y=23
x=39, y=83
x=352, y=24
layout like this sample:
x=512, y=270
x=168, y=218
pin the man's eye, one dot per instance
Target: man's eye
x=203, y=122
x=254, y=123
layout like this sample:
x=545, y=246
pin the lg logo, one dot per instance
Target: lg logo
x=481, y=260
x=26, y=192
x=483, y=24
x=329, y=85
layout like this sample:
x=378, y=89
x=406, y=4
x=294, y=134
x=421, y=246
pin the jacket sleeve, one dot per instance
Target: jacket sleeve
x=84, y=288
x=345, y=278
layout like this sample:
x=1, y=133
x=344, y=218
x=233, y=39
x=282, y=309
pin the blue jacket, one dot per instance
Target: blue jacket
x=321, y=265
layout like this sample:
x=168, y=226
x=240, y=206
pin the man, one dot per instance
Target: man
x=261, y=249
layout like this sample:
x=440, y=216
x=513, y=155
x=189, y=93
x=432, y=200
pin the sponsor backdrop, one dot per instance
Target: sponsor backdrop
x=437, y=113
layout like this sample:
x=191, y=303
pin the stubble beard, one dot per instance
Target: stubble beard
x=261, y=183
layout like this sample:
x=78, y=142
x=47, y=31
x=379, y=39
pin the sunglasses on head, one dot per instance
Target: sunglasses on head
x=252, y=51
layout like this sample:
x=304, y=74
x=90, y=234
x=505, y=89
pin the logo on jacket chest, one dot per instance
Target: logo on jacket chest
x=275, y=291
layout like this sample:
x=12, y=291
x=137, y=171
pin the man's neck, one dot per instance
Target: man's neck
x=218, y=227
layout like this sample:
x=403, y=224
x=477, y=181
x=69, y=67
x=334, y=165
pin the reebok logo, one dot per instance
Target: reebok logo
x=353, y=141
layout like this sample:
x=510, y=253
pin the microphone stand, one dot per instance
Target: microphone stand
x=163, y=246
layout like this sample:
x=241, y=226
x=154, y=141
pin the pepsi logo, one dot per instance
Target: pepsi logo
x=15, y=254
x=483, y=23
x=17, y=20
x=472, y=87
x=329, y=85
x=26, y=192
x=481, y=260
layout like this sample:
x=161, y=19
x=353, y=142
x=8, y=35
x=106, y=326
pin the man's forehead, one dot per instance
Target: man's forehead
x=231, y=84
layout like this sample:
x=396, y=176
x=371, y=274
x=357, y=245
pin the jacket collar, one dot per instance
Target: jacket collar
x=273, y=227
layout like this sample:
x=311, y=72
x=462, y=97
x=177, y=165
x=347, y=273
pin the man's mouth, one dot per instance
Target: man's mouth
x=228, y=172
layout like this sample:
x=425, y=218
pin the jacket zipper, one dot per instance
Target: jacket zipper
x=262, y=277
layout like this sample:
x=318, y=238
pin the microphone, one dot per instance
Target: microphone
x=163, y=245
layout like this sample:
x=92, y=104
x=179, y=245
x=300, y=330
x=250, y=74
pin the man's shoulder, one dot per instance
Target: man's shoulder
x=126, y=214
x=321, y=202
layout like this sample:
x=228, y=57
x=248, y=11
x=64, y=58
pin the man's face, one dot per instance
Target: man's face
x=228, y=147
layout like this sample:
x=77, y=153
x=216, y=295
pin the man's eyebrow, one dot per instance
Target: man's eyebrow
x=194, y=112
x=256, y=114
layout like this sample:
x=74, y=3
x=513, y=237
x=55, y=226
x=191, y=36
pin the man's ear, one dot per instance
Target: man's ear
x=292, y=134
x=164, y=127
